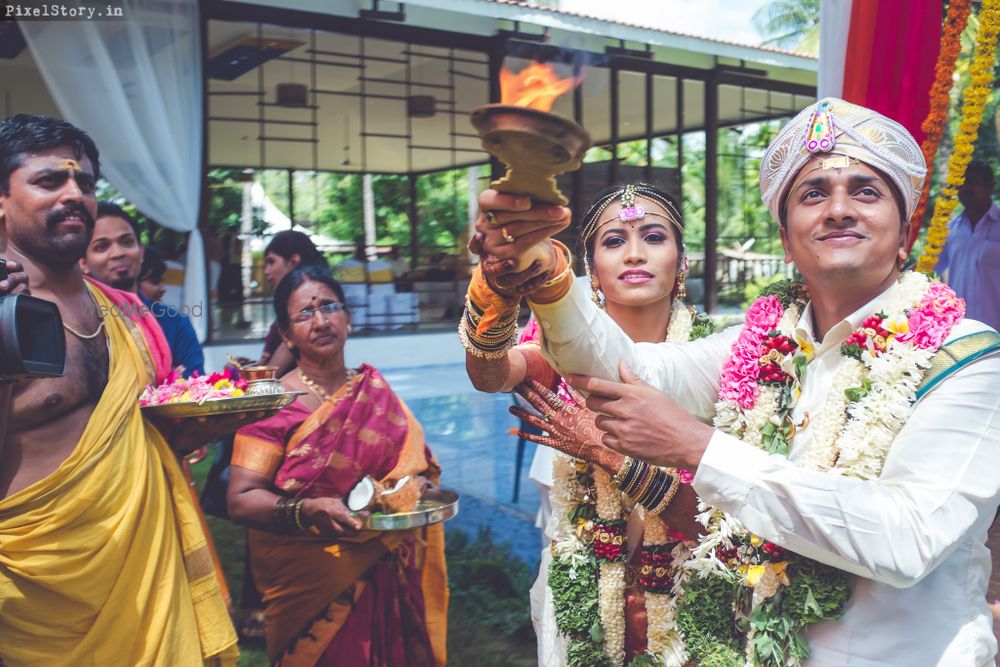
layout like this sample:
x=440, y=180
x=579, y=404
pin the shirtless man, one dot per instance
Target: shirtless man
x=80, y=439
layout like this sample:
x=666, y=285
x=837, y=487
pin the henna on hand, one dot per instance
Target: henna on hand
x=571, y=428
x=503, y=279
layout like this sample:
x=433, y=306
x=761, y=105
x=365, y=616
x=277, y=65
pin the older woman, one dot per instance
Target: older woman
x=335, y=594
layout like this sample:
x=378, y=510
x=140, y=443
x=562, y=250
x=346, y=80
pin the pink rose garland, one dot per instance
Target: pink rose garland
x=742, y=369
x=932, y=321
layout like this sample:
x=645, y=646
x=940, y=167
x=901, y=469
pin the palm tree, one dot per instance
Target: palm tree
x=790, y=24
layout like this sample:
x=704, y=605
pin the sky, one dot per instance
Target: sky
x=721, y=19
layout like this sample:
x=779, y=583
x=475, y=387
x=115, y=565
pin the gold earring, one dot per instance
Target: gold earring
x=681, y=287
x=595, y=294
x=349, y=329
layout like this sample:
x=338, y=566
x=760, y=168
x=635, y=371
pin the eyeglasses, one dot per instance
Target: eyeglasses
x=306, y=314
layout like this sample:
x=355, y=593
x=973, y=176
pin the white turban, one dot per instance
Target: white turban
x=835, y=127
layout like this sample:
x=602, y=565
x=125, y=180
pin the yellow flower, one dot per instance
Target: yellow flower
x=221, y=384
x=897, y=325
x=806, y=348
x=981, y=73
x=756, y=540
x=238, y=392
x=751, y=574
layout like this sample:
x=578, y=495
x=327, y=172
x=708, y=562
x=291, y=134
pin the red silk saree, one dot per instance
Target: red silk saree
x=378, y=598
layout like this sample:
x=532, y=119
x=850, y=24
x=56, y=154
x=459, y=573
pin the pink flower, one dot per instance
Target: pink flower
x=742, y=370
x=932, y=321
x=764, y=315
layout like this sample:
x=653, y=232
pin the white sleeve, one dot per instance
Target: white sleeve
x=578, y=337
x=939, y=483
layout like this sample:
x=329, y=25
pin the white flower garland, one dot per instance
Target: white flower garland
x=569, y=545
x=850, y=437
x=611, y=576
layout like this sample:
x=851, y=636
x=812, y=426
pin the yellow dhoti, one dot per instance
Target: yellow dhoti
x=103, y=562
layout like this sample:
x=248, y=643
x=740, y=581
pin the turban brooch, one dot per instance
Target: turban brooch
x=837, y=128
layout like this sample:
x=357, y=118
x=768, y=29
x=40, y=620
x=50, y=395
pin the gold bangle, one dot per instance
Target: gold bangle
x=298, y=514
x=480, y=353
x=622, y=472
x=559, y=245
x=646, y=482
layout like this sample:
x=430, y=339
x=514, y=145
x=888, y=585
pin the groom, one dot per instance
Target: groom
x=843, y=182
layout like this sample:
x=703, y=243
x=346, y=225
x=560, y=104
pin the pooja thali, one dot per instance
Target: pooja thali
x=222, y=406
x=435, y=506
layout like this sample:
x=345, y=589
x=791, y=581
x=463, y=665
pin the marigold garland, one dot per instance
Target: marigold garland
x=940, y=94
x=973, y=106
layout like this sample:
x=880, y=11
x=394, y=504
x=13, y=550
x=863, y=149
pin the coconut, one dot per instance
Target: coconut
x=364, y=495
x=402, y=496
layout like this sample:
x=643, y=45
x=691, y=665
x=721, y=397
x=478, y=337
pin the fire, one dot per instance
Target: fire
x=536, y=86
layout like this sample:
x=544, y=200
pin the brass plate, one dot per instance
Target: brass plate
x=222, y=406
x=435, y=506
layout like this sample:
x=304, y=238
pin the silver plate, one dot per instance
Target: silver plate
x=222, y=406
x=435, y=506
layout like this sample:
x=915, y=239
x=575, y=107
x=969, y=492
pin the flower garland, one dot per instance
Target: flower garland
x=590, y=546
x=974, y=104
x=937, y=115
x=776, y=594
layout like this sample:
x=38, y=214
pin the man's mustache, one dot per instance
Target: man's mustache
x=55, y=217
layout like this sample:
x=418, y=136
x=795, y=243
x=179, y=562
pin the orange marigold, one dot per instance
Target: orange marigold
x=940, y=94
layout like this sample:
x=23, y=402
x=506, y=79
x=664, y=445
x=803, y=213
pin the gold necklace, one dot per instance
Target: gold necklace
x=321, y=393
x=100, y=317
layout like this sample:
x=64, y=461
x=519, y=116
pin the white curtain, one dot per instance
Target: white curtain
x=834, y=25
x=135, y=85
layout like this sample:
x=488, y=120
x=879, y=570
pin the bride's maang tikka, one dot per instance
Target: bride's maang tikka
x=631, y=211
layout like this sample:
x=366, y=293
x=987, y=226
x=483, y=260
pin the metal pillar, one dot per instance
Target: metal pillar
x=711, y=192
x=411, y=213
x=647, y=172
x=613, y=172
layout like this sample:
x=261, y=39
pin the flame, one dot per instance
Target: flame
x=536, y=86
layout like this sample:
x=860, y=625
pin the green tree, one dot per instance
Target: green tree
x=790, y=24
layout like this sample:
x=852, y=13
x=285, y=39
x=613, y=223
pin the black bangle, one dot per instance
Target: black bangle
x=633, y=472
x=657, y=490
x=279, y=512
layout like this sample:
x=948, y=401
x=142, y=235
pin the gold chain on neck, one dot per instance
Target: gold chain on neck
x=314, y=387
x=100, y=317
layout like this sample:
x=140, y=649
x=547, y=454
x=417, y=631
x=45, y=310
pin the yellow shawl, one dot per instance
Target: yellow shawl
x=104, y=562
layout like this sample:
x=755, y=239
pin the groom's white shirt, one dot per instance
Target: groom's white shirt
x=915, y=536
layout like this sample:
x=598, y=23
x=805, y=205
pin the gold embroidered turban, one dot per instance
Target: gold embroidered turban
x=836, y=127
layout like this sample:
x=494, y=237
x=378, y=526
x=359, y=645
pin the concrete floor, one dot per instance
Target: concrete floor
x=467, y=431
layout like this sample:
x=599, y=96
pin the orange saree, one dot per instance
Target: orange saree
x=373, y=599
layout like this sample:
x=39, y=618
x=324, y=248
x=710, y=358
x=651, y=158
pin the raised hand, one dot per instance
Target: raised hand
x=511, y=229
x=571, y=428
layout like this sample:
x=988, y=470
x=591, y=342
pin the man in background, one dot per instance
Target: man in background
x=116, y=257
x=970, y=261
